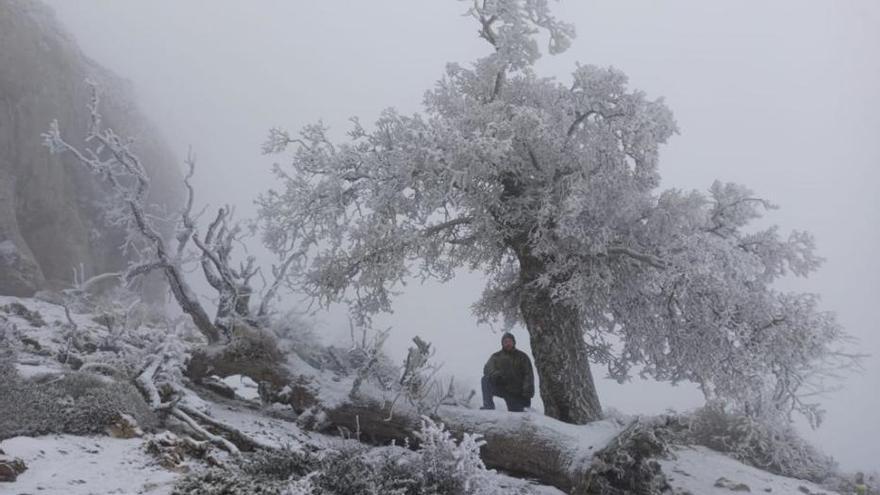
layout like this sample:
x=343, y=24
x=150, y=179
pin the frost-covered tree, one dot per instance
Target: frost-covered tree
x=550, y=189
x=112, y=159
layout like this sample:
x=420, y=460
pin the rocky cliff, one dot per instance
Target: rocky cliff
x=50, y=214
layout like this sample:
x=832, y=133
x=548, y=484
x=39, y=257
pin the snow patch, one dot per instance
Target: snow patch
x=703, y=471
x=72, y=465
x=31, y=369
x=270, y=432
x=244, y=387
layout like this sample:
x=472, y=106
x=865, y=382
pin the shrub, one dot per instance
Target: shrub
x=268, y=472
x=78, y=403
x=449, y=466
x=349, y=472
x=279, y=464
x=440, y=466
x=18, y=309
x=217, y=481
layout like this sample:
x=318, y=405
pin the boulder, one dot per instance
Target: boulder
x=11, y=468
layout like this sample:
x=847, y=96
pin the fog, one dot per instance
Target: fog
x=779, y=96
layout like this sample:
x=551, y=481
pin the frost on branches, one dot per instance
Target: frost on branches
x=111, y=159
x=550, y=189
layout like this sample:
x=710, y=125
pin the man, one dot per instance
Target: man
x=508, y=374
x=861, y=488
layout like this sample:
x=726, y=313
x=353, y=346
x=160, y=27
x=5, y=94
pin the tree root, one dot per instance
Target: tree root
x=238, y=438
x=203, y=433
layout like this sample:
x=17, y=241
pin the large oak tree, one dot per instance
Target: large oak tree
x=550, y=189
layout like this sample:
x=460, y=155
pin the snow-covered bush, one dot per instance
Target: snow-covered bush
x=100, y=403
x=769, y=443
x=302, y=486
x=281, y=472
x=248, y=343
x=350, y=472
x=78, y=403
x=18, y=309
x=221, y=481
x=279, y=464
x=217, y=481
x=628, y=464
x=449, y=466
x=440, y=466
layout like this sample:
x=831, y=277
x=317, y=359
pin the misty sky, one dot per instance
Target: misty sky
x=781, y=96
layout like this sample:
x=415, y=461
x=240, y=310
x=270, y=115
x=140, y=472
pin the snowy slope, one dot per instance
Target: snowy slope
x=701, y=471
x=66, y=464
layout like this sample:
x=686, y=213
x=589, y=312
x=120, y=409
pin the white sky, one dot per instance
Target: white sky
x=781, y=96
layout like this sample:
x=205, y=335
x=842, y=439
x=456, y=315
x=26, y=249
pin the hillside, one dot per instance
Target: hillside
x=104, y=451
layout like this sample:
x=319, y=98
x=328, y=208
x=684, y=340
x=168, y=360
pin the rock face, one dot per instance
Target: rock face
x=50, y=209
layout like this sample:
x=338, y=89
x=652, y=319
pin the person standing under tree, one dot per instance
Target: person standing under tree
x=508, y=374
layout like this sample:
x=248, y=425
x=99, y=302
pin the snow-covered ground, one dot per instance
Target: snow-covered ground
x=73, y=465
x=79, y=465
x=701, y=471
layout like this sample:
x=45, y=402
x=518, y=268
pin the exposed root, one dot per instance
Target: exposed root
x=237, y=437
x=203, y=433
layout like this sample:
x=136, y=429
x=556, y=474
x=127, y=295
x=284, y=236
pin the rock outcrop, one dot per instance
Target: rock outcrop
x=51, y=210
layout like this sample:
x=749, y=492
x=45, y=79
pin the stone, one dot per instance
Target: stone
x=124, y=426
x=11, y=468
x=732, y=485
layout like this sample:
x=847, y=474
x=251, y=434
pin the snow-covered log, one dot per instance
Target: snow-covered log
x=528, y=444
x=525, y=444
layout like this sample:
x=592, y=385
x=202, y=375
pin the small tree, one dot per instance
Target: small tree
x=550, y=189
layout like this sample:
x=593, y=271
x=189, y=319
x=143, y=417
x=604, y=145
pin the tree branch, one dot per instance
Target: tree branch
x=644, y=258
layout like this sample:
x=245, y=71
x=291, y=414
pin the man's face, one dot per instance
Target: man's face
x=507, y=344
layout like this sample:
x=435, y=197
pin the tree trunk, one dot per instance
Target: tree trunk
x=188, y=301
x=561, y=360
x=559, y=351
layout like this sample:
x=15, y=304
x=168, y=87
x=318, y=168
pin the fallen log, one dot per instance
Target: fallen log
x=528, y=445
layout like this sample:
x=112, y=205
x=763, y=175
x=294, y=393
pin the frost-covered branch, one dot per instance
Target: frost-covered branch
x=111, y=159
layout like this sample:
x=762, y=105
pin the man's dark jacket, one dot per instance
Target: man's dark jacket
x=511, y=374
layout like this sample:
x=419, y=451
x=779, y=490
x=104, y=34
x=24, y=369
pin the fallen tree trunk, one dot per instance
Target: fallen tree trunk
x=528, y=445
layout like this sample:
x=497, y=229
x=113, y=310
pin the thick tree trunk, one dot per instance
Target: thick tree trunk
x=558, y=348
x=561, y=359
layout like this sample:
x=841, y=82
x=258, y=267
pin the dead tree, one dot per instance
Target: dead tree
x=110, y=158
